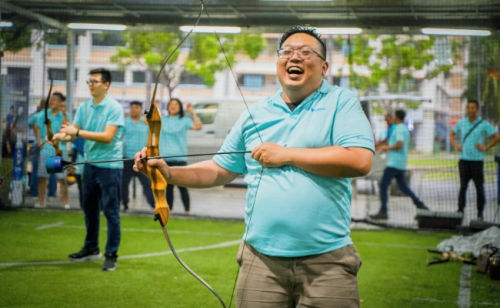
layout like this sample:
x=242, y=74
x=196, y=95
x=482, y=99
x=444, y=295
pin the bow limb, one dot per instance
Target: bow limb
x=48, y=122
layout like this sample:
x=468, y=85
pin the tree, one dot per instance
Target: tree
x=393, y=63
x=15, y=39
x=204, y=57
x=483, y=80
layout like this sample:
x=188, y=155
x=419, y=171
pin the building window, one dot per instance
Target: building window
x=251, y=81
x=192, y=79
x=59, y=74
x=117, y=76
x=107, y=39
x=59, y=39
x=138, y=77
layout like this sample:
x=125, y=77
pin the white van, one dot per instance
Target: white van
x=217, y=116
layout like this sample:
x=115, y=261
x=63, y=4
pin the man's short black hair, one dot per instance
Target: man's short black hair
x=400, y=114
x=105, y=74
x=303, y=29
x=61, y=96
x=473, y=101
x=136, y=103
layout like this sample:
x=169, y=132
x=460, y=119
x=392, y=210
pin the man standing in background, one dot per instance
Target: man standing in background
x=473, y=132
x=135, y=135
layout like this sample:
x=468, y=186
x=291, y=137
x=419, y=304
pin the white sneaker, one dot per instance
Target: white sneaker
x=66, y=206
x=39, y=206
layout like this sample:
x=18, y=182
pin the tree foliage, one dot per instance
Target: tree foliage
x=392, y=63
x=15, y=39
x=204, y=57
x=484, y=78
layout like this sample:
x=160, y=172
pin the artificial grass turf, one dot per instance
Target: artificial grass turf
x=394, y=271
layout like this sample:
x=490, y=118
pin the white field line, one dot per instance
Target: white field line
x=464, y=291
x=158, y=230
x=48, y=226
x=137, y=256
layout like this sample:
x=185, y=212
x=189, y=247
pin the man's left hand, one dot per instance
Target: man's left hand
x=271, y=154
x=481, y=147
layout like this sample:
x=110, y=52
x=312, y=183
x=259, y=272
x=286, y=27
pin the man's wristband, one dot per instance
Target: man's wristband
x=77, y=132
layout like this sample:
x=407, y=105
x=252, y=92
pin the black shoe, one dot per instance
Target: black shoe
x=379, y=215
x=110, y=262
x=422, y=206
x=85, y=254
x=480, y=216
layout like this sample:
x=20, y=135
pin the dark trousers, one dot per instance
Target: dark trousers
x=389, y=174
x=128, y=173
x=101, y=190
x=468, y=170
x=183, y=190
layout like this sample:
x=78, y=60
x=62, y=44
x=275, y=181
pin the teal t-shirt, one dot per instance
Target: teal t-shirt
x=173, y=136
x=295, y=213
x=55, y=124
x=135, y=137
x=398, y=158
x=95, y=118
x=477, y=136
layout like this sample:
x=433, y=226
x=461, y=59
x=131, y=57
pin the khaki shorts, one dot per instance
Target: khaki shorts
x=325, y=280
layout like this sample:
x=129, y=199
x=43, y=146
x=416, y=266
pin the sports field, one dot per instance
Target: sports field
x=34, y=271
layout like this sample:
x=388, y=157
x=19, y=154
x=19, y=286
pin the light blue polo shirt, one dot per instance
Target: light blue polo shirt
x=95, y=118
x=477, y=136
x=135, y=137
x=173, y=136
x=55, y=124
x=398, y=158
x=295, y=213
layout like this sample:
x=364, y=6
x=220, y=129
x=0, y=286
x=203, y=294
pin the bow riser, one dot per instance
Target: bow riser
x=158, y=182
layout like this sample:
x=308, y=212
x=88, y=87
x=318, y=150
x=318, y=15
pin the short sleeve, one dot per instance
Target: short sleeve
x=233, y=142
x=351, y=128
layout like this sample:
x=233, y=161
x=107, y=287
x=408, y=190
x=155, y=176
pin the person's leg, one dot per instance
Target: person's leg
x=80, y=192
x=42, y=185
x=42, y=180
x=109, y=181
x=52, y=185
x=185, y=198
x=127, y=176
x=384, y=187
x=400, y=179
x=170, y=196
x=478, y=179
x=34, y=173
x=262, y=280
x=463, y=169
x=328, y=279
x=146, y=189
x=63, y=187
x=91, y=192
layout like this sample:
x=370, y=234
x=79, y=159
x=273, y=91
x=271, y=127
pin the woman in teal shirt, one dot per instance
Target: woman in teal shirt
x=173, y=141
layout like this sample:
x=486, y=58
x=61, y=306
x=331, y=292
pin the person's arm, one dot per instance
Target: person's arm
x=105, y=136
x=197, y=122
x=492, y=143
x=36, y=131
x=332, y=161
x=200, y=175
x=454, y=141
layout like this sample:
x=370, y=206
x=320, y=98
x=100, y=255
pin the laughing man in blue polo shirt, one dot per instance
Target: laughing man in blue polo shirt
x=99, y=121
x=306, y=142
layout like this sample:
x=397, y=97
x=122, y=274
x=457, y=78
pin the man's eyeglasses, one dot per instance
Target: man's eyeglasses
x=305, y=52
x=93, y=82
